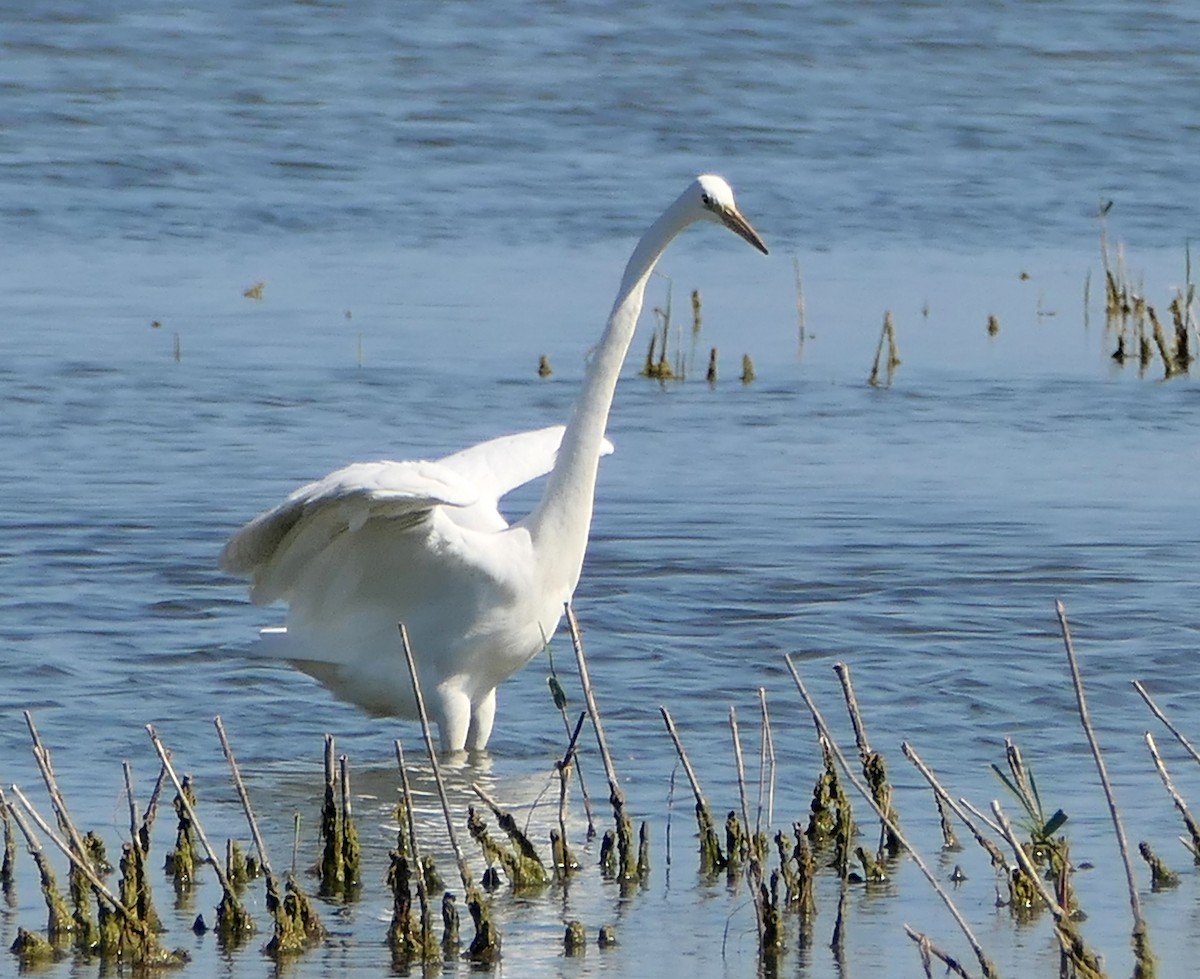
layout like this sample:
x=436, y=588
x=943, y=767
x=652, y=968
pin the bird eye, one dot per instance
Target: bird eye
x=708, y=201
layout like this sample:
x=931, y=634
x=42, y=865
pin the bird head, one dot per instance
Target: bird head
x=715, y=198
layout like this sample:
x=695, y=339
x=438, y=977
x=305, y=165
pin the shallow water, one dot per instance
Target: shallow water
x=435, y=203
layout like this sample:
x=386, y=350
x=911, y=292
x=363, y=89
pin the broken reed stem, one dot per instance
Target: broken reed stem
x=530, y=870
x=426, y=730
x=754, y=865
x=296, y=923
x=928, y=949
x=1180, y=804
x=10, y=846
x=799, y=301
x=886, y=335
x=59, y=921
x=564, y=859
x=766, y=764
x=152, y=808
x=418, y=870
x=240, y=786
x=589, y=697
x=1139, y=923
x=860, y=732
x=993, y=851
x=711, y=859
x=213, y=859
x=42, y=755
x=628, y=855
x=332, y=869
x=560, y=701
x=985, y=963
x=132, y=799
x=687, y=765
x=83, y=864
x=1157, y=712
x=485, y=946
x=351, y=850
x=1064, y=928
x=873, y=765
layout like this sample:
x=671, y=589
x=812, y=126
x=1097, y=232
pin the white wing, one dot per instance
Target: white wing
x=275, y=545
x=502, y=464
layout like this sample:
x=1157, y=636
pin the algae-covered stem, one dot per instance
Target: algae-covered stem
x=351, y=849
x=985, y=963
x=164, y=756
x=463, y=870
x=80, y=861
x=1067, y=934
x=418, y=873
x=132, y=799
x=1139, y=923
x=506, y=822
x=1157, y=712
x=59, y=915
x=860, y=731
x=10, y=846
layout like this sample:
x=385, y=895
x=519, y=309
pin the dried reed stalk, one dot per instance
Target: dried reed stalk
x=1141, y=943
x=989, y=970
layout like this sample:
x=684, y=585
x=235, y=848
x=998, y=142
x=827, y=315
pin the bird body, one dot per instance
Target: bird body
x=374, y=545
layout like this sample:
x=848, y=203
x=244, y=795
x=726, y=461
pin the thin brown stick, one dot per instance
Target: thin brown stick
x=754, y=865
x=1022, y=858
x=42, y=755
x=627, y=854
x=1154, y=708
x=1139, y=923
x=1176, y=798
x=133, y=808
x=464, y=871
x=589, y=697
x=766, y=762
x=985, y=963
x=860, y=730
x=213, y=858
x=238, y=784
x=152, y=808
x=993, y=851
x=687, y=765
x=563, y=768
x=928, y=948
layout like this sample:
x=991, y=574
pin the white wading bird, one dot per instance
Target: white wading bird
x=377, y=544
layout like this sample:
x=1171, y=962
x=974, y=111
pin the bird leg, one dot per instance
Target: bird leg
x=483, y=714
x=453, y=718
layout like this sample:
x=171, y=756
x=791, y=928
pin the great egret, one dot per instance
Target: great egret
x=423, y=543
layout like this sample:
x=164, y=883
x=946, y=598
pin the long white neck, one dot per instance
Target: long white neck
x=560, y=523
